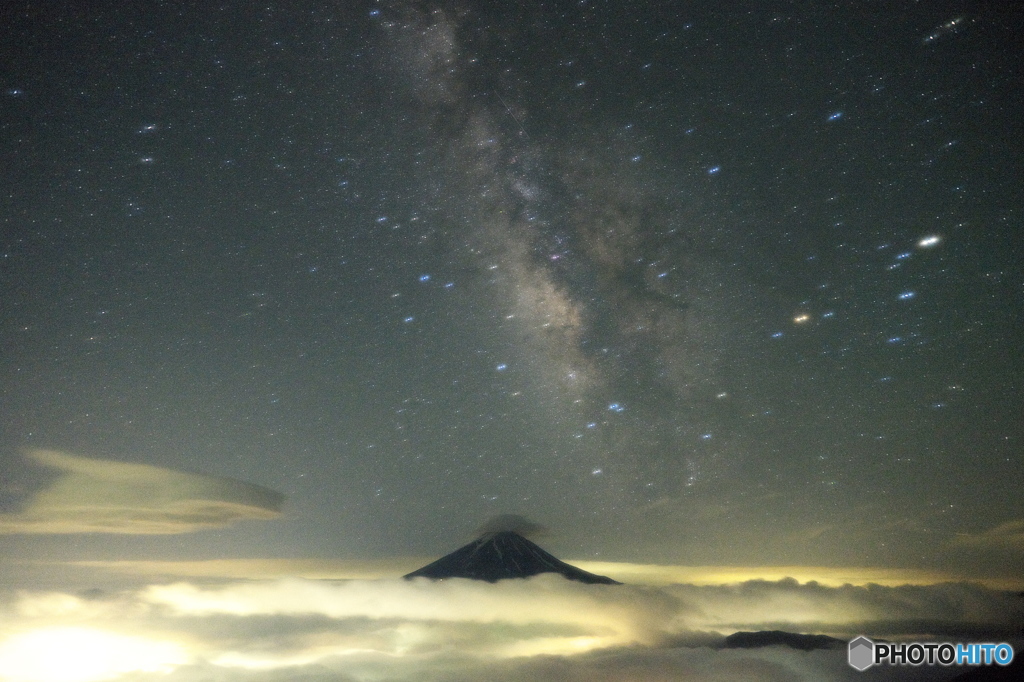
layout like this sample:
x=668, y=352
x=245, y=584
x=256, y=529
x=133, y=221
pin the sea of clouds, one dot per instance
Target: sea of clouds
x=538, y=629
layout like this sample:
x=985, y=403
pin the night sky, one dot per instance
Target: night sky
x=296, y=296
x=685, y=284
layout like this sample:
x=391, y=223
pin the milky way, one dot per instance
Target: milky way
x=682, y=284
x=296, y=296
x=622, y=315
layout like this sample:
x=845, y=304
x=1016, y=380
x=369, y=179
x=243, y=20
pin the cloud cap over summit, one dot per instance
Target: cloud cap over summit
x=515, y=523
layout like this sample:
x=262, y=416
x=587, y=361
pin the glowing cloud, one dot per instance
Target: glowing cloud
x=541, y=629
x=74, y=654
x=103, y=496
x=544, y=601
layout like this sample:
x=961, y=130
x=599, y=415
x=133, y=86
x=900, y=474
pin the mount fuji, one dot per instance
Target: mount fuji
x=501, y=555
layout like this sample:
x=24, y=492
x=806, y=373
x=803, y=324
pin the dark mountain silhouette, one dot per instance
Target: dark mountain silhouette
x=755, y=640
x=500, y=555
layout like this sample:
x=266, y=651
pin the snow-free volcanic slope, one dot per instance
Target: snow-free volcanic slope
x=497, y=556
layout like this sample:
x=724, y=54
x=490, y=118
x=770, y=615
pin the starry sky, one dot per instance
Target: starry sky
x=687, y=284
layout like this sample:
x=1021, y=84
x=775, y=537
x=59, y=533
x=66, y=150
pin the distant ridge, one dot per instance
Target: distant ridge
x=502, y=555
x=754, y=640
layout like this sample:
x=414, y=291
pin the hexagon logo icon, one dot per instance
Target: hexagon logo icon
x=861, y=653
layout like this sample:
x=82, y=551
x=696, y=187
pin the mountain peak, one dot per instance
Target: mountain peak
x=503, y=554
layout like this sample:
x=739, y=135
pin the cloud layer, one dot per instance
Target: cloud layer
x=543, y=628
x=103, y=496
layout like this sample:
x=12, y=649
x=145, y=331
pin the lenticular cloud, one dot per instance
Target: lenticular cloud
x=104, y=496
